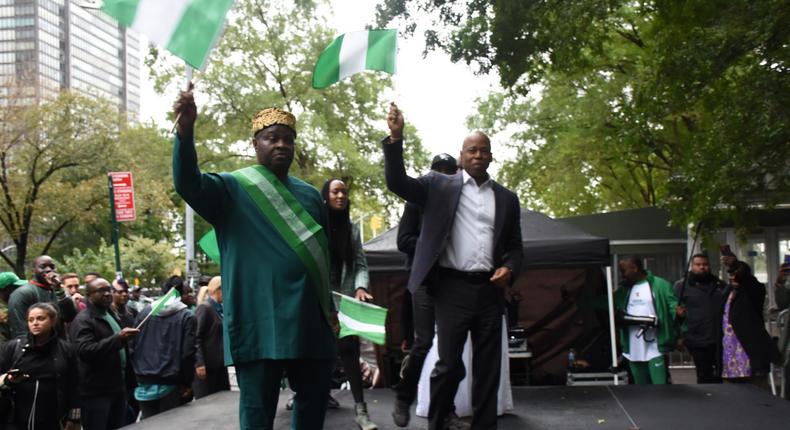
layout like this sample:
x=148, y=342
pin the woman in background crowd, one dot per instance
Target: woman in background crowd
x=39, y=369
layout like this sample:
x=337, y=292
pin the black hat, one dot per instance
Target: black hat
x=444, y=160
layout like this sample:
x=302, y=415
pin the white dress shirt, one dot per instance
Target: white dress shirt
x=470, y=247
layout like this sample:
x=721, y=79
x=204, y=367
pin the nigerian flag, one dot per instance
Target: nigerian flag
x=361, y=319
x=187, y=28
x=355, y=52
x=163, y=301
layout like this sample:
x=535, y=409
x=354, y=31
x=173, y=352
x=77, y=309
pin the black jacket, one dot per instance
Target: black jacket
x=98, y=350
x=409, y=230
x=746, y=317
x=702, y=298
x=164, y=351
x=65, y=360
x=208, y=339
x=438, y=195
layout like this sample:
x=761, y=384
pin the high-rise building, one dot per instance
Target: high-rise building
x=50, y=45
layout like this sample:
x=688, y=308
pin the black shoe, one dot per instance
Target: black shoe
x=331, y=403
x=400, y=413
x=453, y=422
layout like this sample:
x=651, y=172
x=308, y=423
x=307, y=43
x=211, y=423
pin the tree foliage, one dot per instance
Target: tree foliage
x=146, y=259
x=614, y=104
x=266, y=58
x=54, y=160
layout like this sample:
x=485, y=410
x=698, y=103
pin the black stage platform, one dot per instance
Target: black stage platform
x=673, y=407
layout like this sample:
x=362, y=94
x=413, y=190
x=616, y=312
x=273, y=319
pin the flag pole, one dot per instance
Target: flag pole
x=189, y=213
x=144, y=320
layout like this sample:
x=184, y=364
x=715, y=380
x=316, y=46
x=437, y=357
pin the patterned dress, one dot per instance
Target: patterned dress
x=735, y=361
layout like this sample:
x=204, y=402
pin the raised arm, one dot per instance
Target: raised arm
x=394, y=169
x=204, y=192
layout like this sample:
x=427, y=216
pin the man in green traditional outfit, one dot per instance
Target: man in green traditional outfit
x=275, y=273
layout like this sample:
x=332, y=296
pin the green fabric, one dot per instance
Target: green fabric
x=271, y=308
x=5, y=331
x=382, y=50
x=148, y=392
x=19, y=302
x=301, y=232
x=208, y=243
x=649, y=372
x=198, y=30
x=259, y=386
x=327, y=68
x=116, y=328
x=362, y=319
x=355, y=275
x=665, y=302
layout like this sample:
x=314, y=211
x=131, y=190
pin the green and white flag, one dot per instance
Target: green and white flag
x=162, y=302
x=355, y=52
x=187, y=28
x=362, y=319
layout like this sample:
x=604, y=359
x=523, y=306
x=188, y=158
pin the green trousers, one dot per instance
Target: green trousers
x=649, y=372
x=259, y=386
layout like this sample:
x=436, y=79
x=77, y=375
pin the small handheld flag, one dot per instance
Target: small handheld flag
x=208, y=243
x=355, y=52
x=187, y=28
x=161, y=303
x=362, y=319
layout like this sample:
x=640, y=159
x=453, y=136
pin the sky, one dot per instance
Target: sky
x=435, y=94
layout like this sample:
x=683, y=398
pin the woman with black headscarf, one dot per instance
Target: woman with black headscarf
x=349, y=276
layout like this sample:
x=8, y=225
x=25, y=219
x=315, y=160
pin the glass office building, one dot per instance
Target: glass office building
x=50, y=45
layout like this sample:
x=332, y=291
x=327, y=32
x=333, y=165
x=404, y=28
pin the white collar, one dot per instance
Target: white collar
x=467, y=177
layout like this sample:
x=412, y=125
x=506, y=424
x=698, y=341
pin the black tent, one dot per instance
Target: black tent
x=562, y=265
x=547, y=243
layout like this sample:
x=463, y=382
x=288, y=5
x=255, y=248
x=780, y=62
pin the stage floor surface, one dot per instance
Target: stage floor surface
x=674, y=407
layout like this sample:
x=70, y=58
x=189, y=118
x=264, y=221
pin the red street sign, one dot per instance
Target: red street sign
x=123, y=193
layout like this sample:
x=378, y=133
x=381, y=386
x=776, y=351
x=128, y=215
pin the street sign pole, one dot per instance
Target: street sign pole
x=115, y=228
x=189, y=217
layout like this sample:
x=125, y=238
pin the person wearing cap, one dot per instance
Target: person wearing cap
x=8, y=283
x=271, y=232
x=45, y=287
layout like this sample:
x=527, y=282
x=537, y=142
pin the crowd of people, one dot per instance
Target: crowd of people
x=106, y=357
x=86, y=356
x=720, y=323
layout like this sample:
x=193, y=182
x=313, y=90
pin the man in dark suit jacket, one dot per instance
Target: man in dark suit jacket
x=469, y=250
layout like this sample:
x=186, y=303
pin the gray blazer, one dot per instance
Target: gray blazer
x=438, y=194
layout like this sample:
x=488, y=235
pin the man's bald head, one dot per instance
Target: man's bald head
x=99, y=293
x=476, y=155
x=95, y=284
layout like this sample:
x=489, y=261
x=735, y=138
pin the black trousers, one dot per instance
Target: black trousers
x=705, y=363
x=348, y=349
x=216, y=380
x=424, y=325
x=150, y=408
x=103, y=412
x=466, y=304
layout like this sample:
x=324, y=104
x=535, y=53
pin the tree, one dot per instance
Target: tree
x=265, y=58
x=148, y=260
x=50, y=155
x=677, y=104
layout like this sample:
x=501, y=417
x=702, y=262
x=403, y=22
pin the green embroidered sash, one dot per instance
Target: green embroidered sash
x=292, y=221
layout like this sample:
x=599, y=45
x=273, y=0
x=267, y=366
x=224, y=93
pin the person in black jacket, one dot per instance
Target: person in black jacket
x=747, y=348
x=211, y=375
x=163, y=355
x=104, y=367
x=417, y=327
x=700, y=293
x=38, y=368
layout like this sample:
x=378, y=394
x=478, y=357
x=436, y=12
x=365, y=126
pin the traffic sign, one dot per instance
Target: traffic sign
x=123, y=195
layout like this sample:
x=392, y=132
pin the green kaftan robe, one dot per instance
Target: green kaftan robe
x=271, y=310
